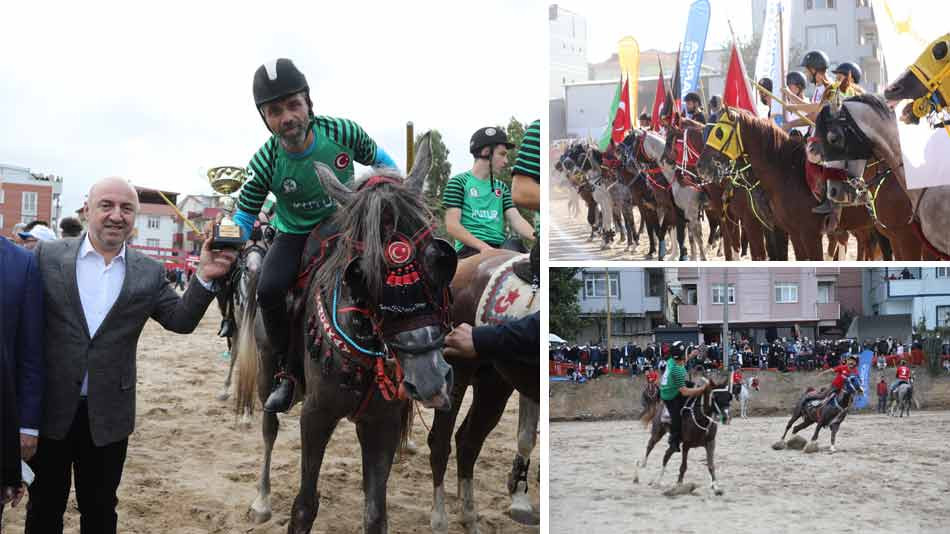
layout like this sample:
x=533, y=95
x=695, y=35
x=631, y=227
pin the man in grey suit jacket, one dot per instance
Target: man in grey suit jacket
x=99, y=295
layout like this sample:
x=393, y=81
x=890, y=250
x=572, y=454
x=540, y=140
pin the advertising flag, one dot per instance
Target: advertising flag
x=864, y=369
x=691, y=52
x=611, y=115
x=629, y=55
x=773, y=51
x=658, y=101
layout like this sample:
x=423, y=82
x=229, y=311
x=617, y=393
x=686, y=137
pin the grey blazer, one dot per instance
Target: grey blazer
x=109, y=356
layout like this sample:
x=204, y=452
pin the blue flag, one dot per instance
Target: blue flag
x=691, y=55
x=864, y=368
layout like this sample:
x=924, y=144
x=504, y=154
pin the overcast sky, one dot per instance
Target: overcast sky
x=659, y=24
x=158, y=92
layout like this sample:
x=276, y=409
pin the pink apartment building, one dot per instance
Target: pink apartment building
x=763, y=303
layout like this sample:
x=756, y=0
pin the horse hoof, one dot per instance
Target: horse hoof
x=223, y=396
x=258, y=516
x=522, y=512
x=718, y=491
x=680, y=489
x=778, y=445
x=812, y=447
x=832, y=449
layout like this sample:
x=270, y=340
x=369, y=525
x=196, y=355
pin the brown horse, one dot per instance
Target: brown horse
x=492, y=384
x=682, y=149
x=699, y=430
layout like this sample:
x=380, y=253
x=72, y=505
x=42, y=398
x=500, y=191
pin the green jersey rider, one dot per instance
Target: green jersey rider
x=284, y=166
x=477, y=205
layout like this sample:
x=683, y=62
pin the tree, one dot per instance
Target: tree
x=515, y=131
x=564, y=316
x=748, y=49
x=438, y=176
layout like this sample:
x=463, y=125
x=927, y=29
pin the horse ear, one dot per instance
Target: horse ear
x=332, y=185
x=421, y=164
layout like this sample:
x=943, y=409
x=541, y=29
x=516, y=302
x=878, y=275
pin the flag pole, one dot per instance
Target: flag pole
x=781, y=54
x=782, y=102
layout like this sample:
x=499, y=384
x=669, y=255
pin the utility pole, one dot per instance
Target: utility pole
x=726, y=345
x=607, y=277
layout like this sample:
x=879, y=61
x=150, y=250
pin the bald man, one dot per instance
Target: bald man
x=99, y=295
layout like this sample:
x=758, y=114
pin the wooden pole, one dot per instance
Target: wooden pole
x=178, y=211
x=410, y=146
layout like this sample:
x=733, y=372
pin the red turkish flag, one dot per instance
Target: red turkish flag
x=622, y=117
x=737, y=93
x=658, y=102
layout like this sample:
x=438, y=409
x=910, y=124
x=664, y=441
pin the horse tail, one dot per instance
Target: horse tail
x=248, y=359
x=650, y=412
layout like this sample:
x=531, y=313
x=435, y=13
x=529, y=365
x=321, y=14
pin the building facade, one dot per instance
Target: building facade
x=921, y=292
x=636, y=304
x=844, y=29
x=26, y=196
x=568, y=54
x=763, y=304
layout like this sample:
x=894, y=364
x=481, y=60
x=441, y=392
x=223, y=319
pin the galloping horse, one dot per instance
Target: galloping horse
x=480, y=289
x=370, y=324
x=830, y=412
x=699, y=430
x=241, y=294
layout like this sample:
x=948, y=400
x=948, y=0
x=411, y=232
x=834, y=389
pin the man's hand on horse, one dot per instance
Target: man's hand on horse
x=458, y=343
x=214, y=264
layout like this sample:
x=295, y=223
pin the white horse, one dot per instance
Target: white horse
x=744, y=395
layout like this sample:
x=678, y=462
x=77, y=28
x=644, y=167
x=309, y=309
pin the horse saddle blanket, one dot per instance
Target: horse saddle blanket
x=692, y=155
x=926, y=155
x=814, y=173
x=506, y=296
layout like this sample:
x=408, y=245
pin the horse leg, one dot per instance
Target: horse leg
x=834, y=432
x=666, y=459
x=711, y=464
x=316, y=428
x=681, y=235
x=696, y=236
x=683, y=464
x=260, y=511
x=813, y=444
x=521, y=509
x=440, y=445
x=655, y=436
x=379, y=439
x=489, y=398
x=795, y=416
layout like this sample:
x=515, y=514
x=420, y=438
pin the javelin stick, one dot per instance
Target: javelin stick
x=782, y=102
x=178, y=211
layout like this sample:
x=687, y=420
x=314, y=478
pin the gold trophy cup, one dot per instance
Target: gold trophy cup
x=226, y=180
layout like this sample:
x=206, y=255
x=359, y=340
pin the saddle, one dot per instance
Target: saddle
x=506, y=296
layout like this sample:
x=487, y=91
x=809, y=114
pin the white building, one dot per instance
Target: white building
x=925, y=295
x=844, y=29
x=568, y=57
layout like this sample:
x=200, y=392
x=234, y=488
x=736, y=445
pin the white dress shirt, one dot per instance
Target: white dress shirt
x=99, y=287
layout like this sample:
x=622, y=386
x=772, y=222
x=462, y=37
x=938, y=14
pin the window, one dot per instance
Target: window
x=152, y=242
x=862, y=3
x=786, y=293
x=717, y=294
x=826, y=292
x=27, y=219
x=29, y=203
x=655, y=285
x=821, y=36
x=1, y=221
x=943, y=316
x=690, y=294
x=595, y=285
x=942, y=272
x=154, y=223
x=821, y=4
x=1, y=195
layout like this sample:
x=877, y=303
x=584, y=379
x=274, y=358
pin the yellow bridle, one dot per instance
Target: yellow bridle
x=934, y=74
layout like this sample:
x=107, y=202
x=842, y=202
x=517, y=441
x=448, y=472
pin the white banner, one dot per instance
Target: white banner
x=769, y=63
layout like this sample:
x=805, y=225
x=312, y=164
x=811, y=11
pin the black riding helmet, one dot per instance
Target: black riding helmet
x=278, y=79
x=488, y=136
x=849, y=68
x=795, y=78
x=677, y=351
x=693, y=97
x=816, y=59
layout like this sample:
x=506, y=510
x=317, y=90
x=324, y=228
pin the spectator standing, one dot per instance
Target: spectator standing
x=881, y=395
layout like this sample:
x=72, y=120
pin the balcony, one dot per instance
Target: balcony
x=688, y=314
x=905, y=288
x=686, y=274
x=829, y=311
x=652, y=304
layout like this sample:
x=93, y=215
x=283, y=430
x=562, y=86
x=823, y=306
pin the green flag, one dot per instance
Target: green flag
x=605, y=137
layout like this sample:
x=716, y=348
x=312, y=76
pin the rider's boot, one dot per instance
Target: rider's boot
x=529, y=268
x=278, y=335
x=674, y=442
x=824, y=208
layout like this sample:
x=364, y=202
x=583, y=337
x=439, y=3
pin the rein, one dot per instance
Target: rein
x=691, y=407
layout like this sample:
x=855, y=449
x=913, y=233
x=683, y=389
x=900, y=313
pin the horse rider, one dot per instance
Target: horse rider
x=794, y=91
x=842, y=372
x=737, y=382
x=651, y=375
x=477, y=204
x=644, y=121
x=284, y=166
x=694, y=109
x=764, y=98
x=903, y=375
x=674, y=390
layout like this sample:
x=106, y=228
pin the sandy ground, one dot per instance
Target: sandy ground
x=568, y=237
x=887, y=475
x=192, y=470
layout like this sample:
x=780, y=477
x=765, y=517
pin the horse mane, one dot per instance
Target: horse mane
x=775, y=141
x=875, y=102
x=361, y=221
